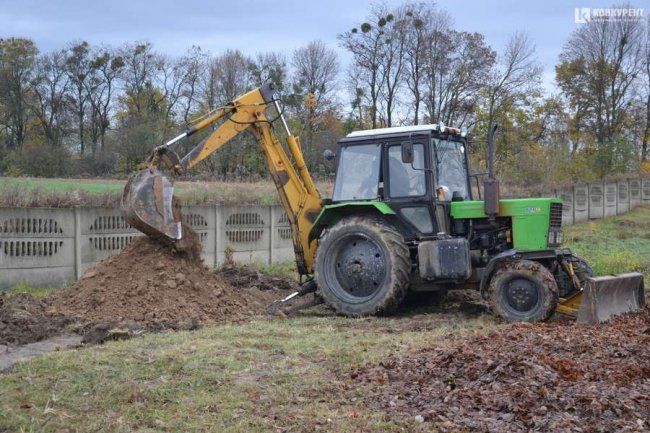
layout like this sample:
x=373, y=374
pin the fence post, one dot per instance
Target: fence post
x=272, y=235
x=217, y=229
x=77, y=242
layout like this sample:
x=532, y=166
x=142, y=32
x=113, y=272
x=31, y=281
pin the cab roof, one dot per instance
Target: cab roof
x=393, y=130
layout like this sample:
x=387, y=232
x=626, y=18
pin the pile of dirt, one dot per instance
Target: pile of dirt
x=23, y=320
x=153, y=285
x=529, y=377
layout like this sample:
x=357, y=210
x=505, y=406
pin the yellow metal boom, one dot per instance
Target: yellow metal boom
x=299, y=197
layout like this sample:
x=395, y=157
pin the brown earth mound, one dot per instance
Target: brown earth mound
x=542, y=377
x=23, y=320
x=154, y=285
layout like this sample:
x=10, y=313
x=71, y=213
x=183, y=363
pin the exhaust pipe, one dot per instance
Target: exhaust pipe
x=491, y=185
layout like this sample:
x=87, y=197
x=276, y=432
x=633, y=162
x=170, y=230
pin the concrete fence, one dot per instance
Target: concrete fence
x=602, y=199
x=48, y=247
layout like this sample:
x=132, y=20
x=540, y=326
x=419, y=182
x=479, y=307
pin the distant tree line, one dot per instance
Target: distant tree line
x=99, y=110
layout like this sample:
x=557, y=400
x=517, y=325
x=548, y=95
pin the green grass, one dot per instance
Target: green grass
x=284, y=269
x=37, y=192
x=63, y=185
x=39, y=292
x=281, y=374
x=615, y=244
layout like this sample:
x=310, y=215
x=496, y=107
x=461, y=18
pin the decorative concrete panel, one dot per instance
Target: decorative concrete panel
x=611, y=193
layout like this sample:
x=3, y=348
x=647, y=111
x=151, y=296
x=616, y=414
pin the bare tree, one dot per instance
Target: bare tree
x=172, y=79
x=50, y=105
x=418, y=16
x=315, y=76
x=599, y=66
x=394, y=60
x=316, y=70
x=101, y=87
x=78, y=70
x=437, y=46
x=646, y=88
x=517, y=72
x=460, y=83
x=365, y=44
x=227, y=77
x=194, y=61
x=141, y=68
x=270, y=66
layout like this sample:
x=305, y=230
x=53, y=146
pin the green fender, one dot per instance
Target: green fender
x=331, y=214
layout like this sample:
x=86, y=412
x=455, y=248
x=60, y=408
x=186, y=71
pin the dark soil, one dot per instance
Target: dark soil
x=246, y=276
x=155, y=286
x=530, y=377
x=23, y=320
x=150, y=285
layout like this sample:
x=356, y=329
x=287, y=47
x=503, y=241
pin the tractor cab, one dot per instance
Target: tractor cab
x=417, y=171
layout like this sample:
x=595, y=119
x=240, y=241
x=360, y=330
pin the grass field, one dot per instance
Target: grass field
x=269, y=375
x=280, y=374
x=614, y=245
x=37, y=192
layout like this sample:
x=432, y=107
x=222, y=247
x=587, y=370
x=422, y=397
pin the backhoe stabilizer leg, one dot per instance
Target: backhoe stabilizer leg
x=306, y=288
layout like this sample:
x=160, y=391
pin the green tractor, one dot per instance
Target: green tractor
x=403, y=217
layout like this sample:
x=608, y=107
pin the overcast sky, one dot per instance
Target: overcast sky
x=282, y=25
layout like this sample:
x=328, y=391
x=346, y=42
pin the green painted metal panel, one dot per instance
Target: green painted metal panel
x=530, y=219
x=332, y=213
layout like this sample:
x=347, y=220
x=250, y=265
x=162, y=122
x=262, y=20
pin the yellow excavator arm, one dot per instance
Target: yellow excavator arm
x=147, y=200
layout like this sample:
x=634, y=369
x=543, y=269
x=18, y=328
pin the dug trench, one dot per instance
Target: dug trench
x=148, y=286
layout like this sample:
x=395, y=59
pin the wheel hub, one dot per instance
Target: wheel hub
x=521, y=294
x=359, y=266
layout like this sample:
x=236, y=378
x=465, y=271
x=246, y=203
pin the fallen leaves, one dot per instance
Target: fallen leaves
x=529, y=377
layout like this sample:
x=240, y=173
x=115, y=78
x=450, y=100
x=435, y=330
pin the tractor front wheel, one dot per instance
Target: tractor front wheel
x=523, y=291
x=362, y=267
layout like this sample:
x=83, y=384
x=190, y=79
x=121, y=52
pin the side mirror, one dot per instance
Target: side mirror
x=407, y=152
x=329, y=155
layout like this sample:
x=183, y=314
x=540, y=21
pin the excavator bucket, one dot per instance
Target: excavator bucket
x=147, y=204
x=604, y=297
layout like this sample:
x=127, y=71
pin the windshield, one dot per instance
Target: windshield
x=451, y=168
x=357, y=177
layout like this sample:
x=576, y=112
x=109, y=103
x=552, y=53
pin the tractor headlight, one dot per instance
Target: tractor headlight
x=555, y=238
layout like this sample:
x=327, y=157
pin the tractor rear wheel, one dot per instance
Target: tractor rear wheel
x=523, y=291
x=362, y=267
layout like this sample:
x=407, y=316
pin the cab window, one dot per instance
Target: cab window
x=357, y=176
x=451, y=169
x=406, y=179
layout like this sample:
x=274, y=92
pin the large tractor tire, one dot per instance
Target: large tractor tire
x=362, y=267
x=523, y=291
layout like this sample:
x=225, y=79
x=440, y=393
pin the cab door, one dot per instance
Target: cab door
x=408, y=187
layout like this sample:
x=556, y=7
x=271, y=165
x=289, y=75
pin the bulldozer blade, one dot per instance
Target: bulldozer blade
x=147, y=205
x=604, y=297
